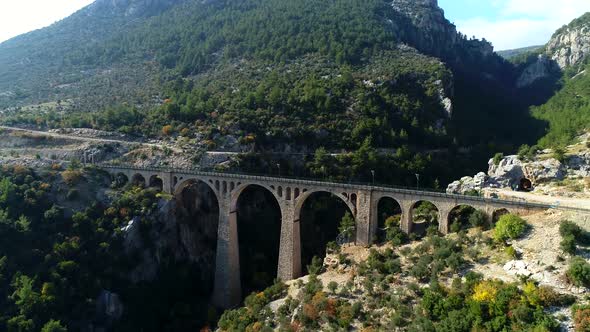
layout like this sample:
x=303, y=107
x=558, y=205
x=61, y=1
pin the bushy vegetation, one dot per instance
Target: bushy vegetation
x=567, y=112
x=571, y=235
x=379, y=297
x=54, y=262
x=509, y=227
x=579, y=272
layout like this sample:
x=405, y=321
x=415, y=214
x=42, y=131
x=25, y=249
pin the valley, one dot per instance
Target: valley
x=304, y=165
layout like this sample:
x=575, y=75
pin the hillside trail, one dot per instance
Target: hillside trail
x=88, y=139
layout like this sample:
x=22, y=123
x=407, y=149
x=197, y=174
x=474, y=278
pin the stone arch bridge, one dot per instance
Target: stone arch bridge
x=362, y=200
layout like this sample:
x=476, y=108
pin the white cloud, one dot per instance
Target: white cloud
x=20, y=16
x=524, y=22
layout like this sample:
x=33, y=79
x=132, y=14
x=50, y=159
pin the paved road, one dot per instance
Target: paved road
x=580, y=203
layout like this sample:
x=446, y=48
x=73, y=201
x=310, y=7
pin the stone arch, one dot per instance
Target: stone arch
x=386, y=207
x=120, y=179
x=306, y=193
x=258, y=234
x=315, y=229
x=138, y=180
x=198, y=213
x=459, y=214
x=296, y=193
x=156, y=182
x=423, y=214
x=498, y=213
x=191, y=181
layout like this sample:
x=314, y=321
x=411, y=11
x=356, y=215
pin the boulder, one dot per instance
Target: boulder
x=546, y=170
x=507, y=173
x=579, y=165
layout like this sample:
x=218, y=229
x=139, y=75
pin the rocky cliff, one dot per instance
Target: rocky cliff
x=568, y=48
x=432, y=33
x=570, y=45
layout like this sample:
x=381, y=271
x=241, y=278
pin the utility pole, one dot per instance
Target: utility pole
x=373, y=174
x=417, y=181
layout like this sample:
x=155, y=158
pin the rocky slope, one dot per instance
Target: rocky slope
x=537, y=177
x=570, y=45
x=568, y=48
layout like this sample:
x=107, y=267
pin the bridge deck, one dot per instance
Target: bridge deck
x=347, y=185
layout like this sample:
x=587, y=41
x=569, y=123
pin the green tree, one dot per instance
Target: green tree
x=53, y=326
x=509, y=226
x=347, y=226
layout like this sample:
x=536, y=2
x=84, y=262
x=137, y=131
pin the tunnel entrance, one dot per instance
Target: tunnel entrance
x=525, y=185
x=424, y=215
x=259, y=233
x=389, y=215
x=197, y=214
x=321, y=214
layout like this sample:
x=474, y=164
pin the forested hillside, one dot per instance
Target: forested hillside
x=304, y=74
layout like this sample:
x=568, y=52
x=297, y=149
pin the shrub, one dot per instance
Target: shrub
x=53, y=326
x=498, y=158
x=568, y=244
x=569, y=228
x=478, y=219
x=511, y=252
x=509, y=226
x=333, y=286
x=347, y=226
x=394, y=233
x=485, y=291
x=581, y=315
x=578, y=272
x=559, y=153
x=316, y=266
x=167, y=130
x=71, y=176
x=549, y=297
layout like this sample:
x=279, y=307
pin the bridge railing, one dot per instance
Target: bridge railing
x=344, y=184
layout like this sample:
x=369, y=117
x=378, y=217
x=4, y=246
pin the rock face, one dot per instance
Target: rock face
x=468, y=184
x=432, y=32
x=511, y=170
x=579, y=165
x=507, y=173
x=542, y=68
x=571, y=44
x=109, y=307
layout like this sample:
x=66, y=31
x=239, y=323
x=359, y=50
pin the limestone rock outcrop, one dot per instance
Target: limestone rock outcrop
x=571, y=44
x=542, y=68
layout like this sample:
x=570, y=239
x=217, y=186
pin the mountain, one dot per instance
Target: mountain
x=509, y=54
x=282, y=75
x=564, y=61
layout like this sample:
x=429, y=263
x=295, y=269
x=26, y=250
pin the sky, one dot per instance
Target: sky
x=20, y=16
x=507, y=24
x=510, y=24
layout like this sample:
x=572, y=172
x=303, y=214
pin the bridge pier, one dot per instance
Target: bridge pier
x=227, y=291
x=290, y=246
x=365, y=215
